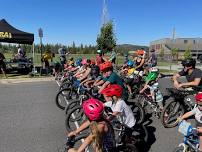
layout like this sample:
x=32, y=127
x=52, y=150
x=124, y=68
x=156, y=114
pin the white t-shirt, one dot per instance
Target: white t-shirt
x=20, y=51
x=198, y=114
x=126, y=115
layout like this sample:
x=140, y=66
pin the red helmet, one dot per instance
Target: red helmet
x=140, y=52
x=198, y=98
x=92, y=61
x=113, y=90
x=105, y=65
x=93, y=109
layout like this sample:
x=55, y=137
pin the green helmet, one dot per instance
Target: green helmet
x=99, y=51
x=151, y=76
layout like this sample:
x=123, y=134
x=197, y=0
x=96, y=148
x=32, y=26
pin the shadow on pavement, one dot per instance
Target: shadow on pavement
x=145, y=146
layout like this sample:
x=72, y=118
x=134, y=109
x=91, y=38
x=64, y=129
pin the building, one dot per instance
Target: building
x=167, y=45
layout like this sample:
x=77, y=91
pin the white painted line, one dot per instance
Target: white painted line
x=76, y=123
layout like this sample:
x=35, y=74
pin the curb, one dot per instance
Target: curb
x=21, y=80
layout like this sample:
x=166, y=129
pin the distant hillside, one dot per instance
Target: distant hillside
x=122, y=48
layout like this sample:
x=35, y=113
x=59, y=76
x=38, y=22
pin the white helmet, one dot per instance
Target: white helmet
x=154, y=69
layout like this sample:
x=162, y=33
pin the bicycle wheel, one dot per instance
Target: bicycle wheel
x=75, y=117
x=71, y=105
x=138, y=112
x=171, y=111
x=65, y=85
x=64, y=96
x=179, y=149
x=127, y=148
x=140, y=133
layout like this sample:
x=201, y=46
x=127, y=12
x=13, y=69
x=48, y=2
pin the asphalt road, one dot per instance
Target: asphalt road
x=31, y=122
x=29, y=118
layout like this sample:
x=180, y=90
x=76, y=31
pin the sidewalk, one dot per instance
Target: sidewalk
x=176, y=67
x=21, y=80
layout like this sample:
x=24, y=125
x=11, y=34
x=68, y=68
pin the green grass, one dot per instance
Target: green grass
x=161, y=63
x=120, y=59
x=167, y=71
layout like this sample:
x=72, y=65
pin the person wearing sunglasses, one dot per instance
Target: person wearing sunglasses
x=192, y=74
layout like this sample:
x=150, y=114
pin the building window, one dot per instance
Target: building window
x=185, y=41
x=194, y=41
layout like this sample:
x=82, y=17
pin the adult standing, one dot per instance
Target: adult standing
x=21, y=52
x=152, y=59
x=113, y=57
x=2, y=64
x=99, y=58
x=62, y=53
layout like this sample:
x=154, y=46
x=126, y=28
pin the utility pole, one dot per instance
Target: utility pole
x=173, y=34
x=40, y=36
x=105, y=16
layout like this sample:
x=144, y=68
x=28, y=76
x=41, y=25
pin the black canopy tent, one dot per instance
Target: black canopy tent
x=12, y=35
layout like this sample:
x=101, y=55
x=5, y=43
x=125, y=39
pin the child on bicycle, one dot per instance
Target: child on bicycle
x=197, y=112
x=112, y=95
x=151, y=83
x=131, y=74
x=83, y=74
x=102, y=133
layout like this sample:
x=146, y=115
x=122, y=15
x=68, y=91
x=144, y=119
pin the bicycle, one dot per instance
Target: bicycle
x=74, y=112
x=179, y=104
x=72, y=141
x=65, y=95
x=145, y=100
x=190, y=141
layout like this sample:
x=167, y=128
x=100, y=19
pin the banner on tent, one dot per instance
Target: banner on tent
x=4, y=35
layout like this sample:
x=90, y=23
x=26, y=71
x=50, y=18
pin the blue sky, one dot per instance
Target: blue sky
x=136, y=21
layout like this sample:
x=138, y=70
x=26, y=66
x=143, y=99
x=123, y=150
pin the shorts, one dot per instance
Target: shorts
x=3, y=66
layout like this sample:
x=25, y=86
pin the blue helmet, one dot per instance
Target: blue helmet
x=130, y=63
x=78, y=62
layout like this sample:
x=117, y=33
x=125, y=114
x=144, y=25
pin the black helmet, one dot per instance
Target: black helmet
x=189, y=62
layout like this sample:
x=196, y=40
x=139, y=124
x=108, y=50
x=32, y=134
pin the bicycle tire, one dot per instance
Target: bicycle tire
x=143, y=133
x=76, y=114
x=71, y=105
x=179, y=149
x=138, y=112
x=177, y=111
x=127, y=148
x=65, y=85
x=67, y=97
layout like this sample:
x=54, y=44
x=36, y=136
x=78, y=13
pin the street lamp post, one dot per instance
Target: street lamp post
x=40, y=36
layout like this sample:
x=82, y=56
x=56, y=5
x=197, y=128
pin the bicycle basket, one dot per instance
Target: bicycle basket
x=185, y=128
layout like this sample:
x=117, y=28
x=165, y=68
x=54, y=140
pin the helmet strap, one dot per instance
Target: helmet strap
x=114, y=99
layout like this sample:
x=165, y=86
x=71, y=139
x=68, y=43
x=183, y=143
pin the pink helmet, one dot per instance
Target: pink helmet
x=198, y=98
x=84, y=61
x=93, y=109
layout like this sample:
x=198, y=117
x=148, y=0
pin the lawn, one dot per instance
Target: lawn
x=120, y=59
